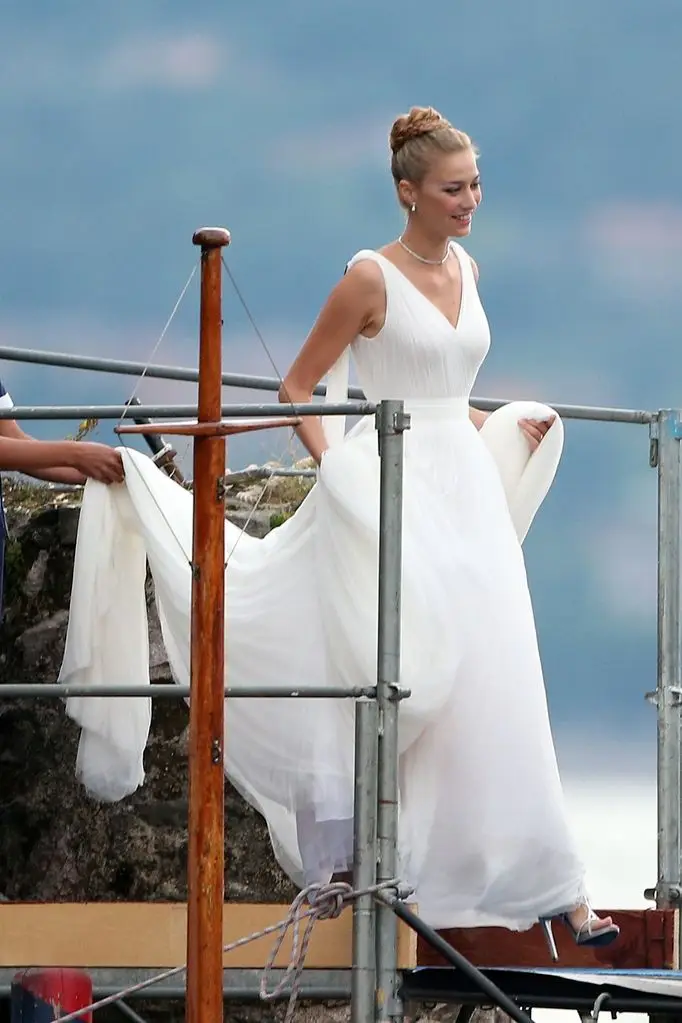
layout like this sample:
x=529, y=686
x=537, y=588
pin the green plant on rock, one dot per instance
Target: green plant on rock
x=84, y=428
x=277, y=518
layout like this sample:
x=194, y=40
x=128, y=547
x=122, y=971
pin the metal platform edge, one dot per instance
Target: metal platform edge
x=424, y=984
x=533, y=991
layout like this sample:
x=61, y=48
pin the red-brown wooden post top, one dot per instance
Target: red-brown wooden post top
x=211, y=237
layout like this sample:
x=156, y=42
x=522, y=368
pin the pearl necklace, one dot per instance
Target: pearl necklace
x=431, y=262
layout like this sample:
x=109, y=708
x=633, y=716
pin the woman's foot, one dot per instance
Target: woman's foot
x=584, y=921
x=586, y=927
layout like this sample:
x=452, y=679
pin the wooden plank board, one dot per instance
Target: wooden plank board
x=153, y=934
x=647, y=940
x=139, y=935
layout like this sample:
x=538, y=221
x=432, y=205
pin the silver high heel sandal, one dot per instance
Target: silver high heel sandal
x=585, y=934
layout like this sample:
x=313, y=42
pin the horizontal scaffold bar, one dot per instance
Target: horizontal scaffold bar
x=591, y=413
x=239, y=984
x=357, y=408
x=160, y=372
x=261, y=383
x=55, y=690
x=128, y=368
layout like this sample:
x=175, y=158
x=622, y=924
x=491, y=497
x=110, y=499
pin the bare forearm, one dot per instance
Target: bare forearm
x=61, y=474
x=310, y=432
x=62, y=461
x=477, y=417
x=37, y=458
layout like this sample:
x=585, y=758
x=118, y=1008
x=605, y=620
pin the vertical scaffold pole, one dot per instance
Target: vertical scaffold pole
x=363, y=978
x=391, y=424
x=666, y=437
x=205, y=863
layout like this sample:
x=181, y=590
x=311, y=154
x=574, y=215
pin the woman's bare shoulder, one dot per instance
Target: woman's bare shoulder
x=364, y=268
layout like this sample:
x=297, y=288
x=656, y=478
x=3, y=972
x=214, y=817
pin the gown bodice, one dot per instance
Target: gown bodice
x=419, y=354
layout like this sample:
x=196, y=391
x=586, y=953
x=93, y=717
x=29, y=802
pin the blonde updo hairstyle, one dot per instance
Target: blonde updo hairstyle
x=416, y=138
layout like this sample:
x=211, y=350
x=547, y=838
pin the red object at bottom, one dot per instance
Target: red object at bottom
x=43, y=995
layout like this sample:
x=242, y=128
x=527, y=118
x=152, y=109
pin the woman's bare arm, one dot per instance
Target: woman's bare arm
x=355, y=306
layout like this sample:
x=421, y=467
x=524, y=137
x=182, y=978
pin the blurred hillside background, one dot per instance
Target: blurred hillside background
x=126, y=126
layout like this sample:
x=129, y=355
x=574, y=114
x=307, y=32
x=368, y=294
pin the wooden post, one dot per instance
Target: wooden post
x=206, y=856
x=206, y=859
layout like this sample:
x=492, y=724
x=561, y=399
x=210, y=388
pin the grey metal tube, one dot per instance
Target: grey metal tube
x=127, y=367
x=594, y=413
x=319, y=993
x=363, y=977
x=351, y=408
x=121, y=366
x=57, y=690
x=456, y=959
x=391, y=422
x=669, y=682
x=242, y=983
x=242, y=411
x=266, y=473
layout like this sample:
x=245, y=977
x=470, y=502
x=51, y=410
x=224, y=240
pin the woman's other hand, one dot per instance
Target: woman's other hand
x=535, y=430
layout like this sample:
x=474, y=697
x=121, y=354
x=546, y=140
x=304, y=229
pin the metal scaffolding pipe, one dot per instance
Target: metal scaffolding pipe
x=120, y=366
x=56, y=690
x=239, y=983
x=391, y=423
x=484, y=984
x=666, y=446
x=363, y=981
x=591, y=413
x=127, y=367
x=254, y=411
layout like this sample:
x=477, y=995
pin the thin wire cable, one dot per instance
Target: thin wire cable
x=264, y=344
x=287, y=446
x=258, y=333
x=159, y=341
x=249, y=517
x=147, y=364
x=278, y=374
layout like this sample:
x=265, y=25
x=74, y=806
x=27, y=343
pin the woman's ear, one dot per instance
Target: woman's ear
x=406, y=193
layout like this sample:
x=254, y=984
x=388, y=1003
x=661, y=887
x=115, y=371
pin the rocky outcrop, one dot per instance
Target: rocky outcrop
x=56, y=843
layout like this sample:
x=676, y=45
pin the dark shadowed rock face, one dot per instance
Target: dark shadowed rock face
x=57, y=844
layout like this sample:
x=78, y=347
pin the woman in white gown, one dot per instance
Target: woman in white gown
x=484, y=837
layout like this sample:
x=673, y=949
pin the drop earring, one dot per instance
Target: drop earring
x=413, y=208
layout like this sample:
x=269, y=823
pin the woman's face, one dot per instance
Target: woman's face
x=448, y=195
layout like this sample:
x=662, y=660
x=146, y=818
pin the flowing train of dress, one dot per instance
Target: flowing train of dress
x=484, y=837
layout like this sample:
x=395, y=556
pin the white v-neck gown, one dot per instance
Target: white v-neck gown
x=484, y=837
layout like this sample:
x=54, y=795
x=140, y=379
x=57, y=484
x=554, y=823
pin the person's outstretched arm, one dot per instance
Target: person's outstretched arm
x=61, y=461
